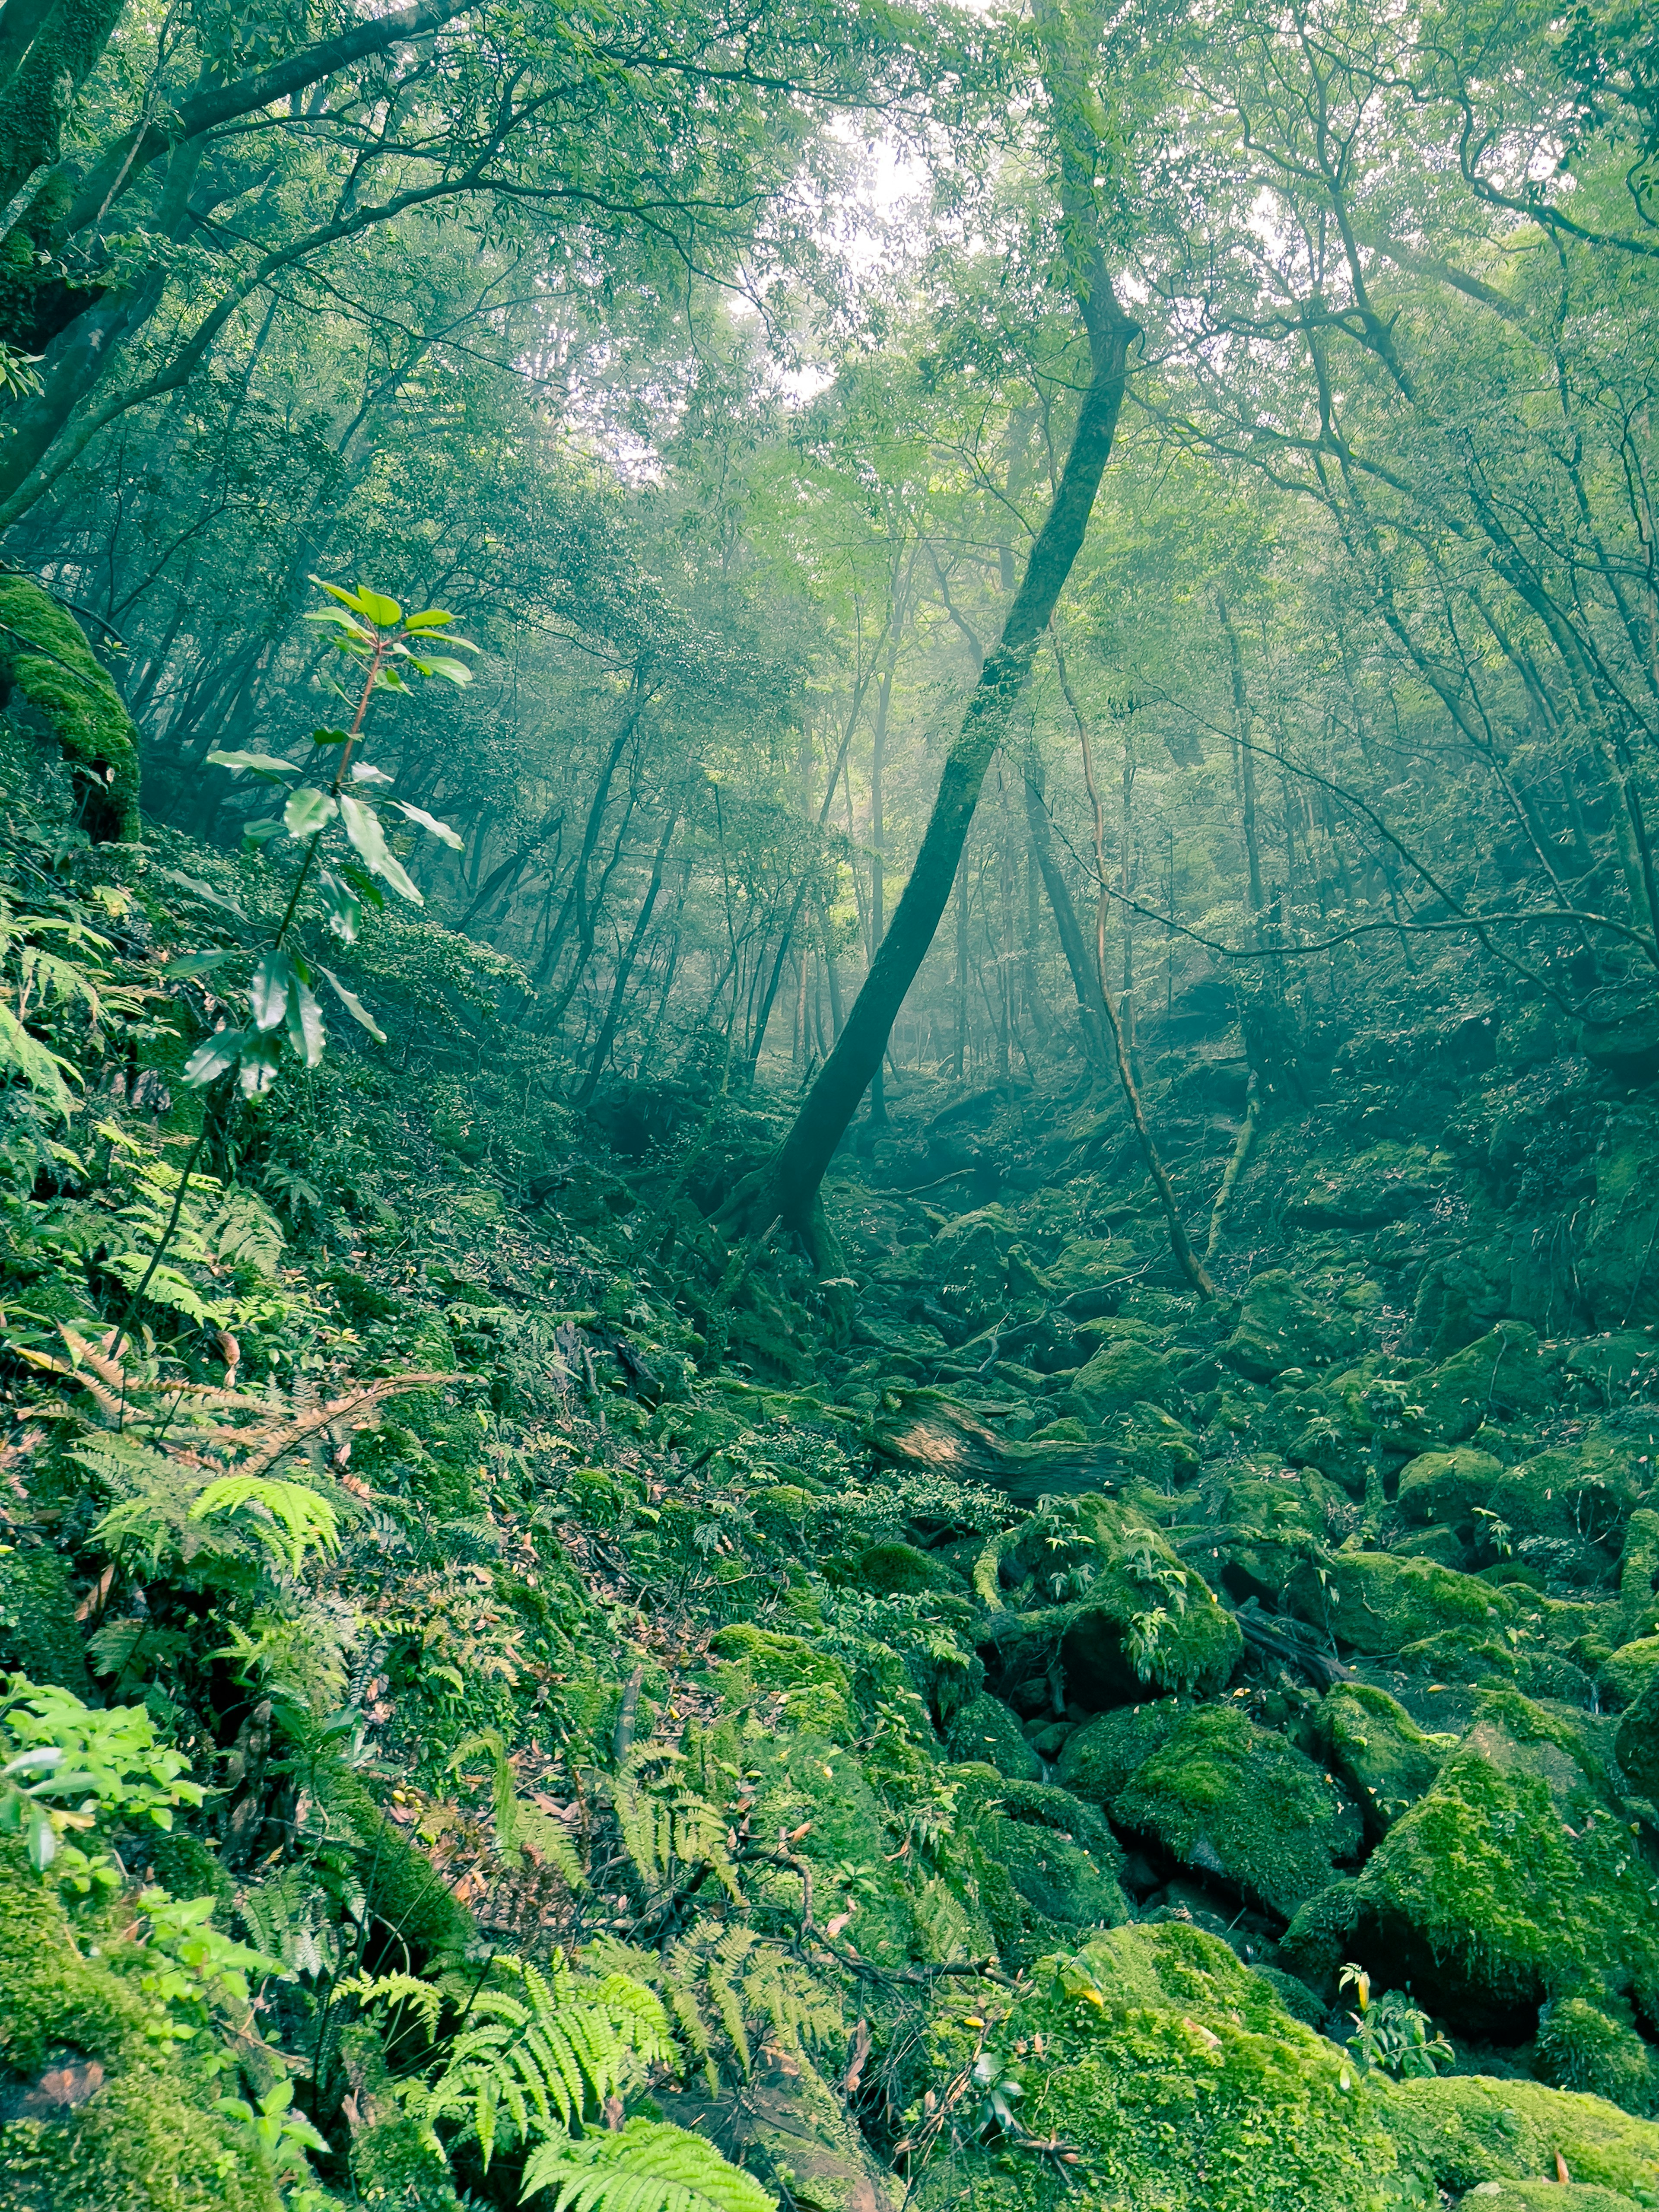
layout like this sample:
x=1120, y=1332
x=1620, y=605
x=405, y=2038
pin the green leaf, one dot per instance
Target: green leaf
x=355, y=1006
x=307, y=811
x=362, y=773
x=256, y=1071
x=339, y=591
x=430, y=822
x=203, y=891
x=213, y=1056
x=363, y=826
x=256, y=834
x=343, y=910
x=385, y=613
x=267, y=992
x=430, y=618
x=198, y=963
x=262, y=764
x=453, y=671
x=326, y=737
x=355, y=632
x=305, y=1032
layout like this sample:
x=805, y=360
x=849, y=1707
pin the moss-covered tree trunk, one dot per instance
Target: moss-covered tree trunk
x=44, y=655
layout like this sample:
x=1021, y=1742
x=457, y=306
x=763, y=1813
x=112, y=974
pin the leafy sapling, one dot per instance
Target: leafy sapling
x=344, y=835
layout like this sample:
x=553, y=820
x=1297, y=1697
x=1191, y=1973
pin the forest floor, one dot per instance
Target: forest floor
x=1032, y=1735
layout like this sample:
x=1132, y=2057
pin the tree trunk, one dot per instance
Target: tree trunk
x=792, y=1179
x=625, y=965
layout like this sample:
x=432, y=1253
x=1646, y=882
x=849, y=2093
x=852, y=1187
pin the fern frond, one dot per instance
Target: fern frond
x=425, y=1999
x=648, y=2166
x=285, y=1517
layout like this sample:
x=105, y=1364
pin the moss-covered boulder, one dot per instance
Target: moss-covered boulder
x=1381, y=1602
x=1515, y=1879
x=1371, y=1741
x=1547, y=2194
x=890, y=1568
x=985, y=1730
x=1637, y=1747
x=98, y=2108
x=1145, y=1620
x=1098, y=1760
x=1581, y=2046
x=1469, y=2130
x=1239, y=1804
x=1047, y=1864
x=46, y=664
x=1581, y=1494
x=1501, y=1376
x=1615, y=1266
x=1281, y=1326
x=40, y=1636
x=1446, y=1485
x=815, y=1688
x=1638, y=1575
x=1122, y=1373
x=1625, y=1674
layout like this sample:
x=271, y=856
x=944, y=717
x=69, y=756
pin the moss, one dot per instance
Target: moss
x=1379, y=1603
x=1445, y=1486
x=1098, y=1759
x=1637, y=1745
x=405, y=1893
x=1117, y=1376
x=1614, y=1267
x=148, y=2140
x=1186, y=2087
x=782, y=1511
x=1058, y=1856
x=39, y=1635
x=1545, y=2196
x=1581, y=2047
x=1237, y=1802
x=1514, y=1879
x=985, y=1730
x=1580, y=1493
x=392, y=2168
x=1469, y=2128
x=1132, y=1576
x=1370, y=1740
x=816, y=1689
x=1279, y=1326
x=889, y=1568
x=1499, y=1374
x=1638, y=1573
x=44, y=655
x=1626, y=1673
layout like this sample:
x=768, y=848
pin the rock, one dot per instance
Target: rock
x=1099, y=1758
x=817, y=1691
x=1637, y=1747
x=1379, y=1603
x=1625, y=1674
x=1616, y=1265
x=1059, y=1855
x=1638, y=1575
x=1143, y=1620
x=1580, y=1494
x=1239, y=1803
x=1371, y=1741
x=1444, y=1486
x=788, y=2120
x=1384, y=1184
x=1498, y=1375
x=1468, y=2131
x=1581, y=2047
x=1122, y=1372
x=1513, y=1880
x=985, y=1730
x=1626, y=1045
x=1279, y=1327
x=891, y=1568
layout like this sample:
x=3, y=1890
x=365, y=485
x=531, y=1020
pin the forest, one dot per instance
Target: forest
x=829, y=1106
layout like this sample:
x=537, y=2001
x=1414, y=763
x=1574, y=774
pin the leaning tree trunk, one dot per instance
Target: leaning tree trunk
x=787, y=1188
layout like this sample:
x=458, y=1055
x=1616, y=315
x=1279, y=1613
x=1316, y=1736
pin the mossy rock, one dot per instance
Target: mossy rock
x=816, y=1689
x=896, y=1568
x=1132, y=1577
x=1099, y=1758
x=1637, y=1748
x=1468, y=2128
x=1614, y=1267
x=1058, y=1853
x=40, y=1636
x=1625, y=1674
x=784, y=1511
x=1638, y=1575
x=1582, y=1493
x=1500, y=1377
x=1154, y=1446
x=1119, y=1376
x=1512, y=1879
x=1240, y=1804
x=46, y=660
x=147, y=2139
x=1547, y=2195
x=1187, y=2087
x=1372, y=1742
x=1279, y=1327
x=1581, y=2047
x=1446, y=1485
x=1379, y=1603
x=985, y=1730
x=392, y=2168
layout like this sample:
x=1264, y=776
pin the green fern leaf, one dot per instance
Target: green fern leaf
x=648, y=2166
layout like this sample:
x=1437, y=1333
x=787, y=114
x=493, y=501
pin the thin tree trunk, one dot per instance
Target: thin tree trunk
x=793, y=1180
x=625, y=965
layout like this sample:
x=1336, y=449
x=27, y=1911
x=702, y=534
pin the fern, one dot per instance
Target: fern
x=286, y=1917
x=285, y=1517
x=532, y=2065
x=648, y=2166
x=669, y=1829
x=726, y=1989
